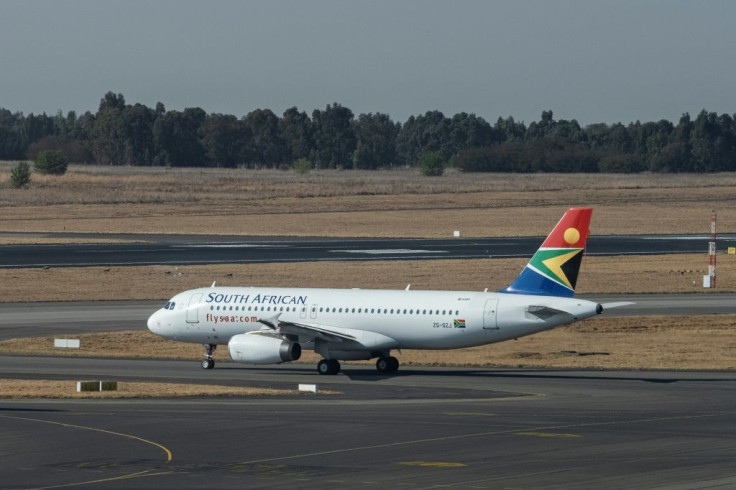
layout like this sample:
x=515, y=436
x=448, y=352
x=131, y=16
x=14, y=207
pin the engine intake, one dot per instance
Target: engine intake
x=262, y=349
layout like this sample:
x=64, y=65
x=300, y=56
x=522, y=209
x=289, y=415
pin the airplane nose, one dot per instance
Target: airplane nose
x=153, y=323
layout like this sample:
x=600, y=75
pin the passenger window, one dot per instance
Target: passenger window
x=424, y=312
x=372, y=310
x=392, y=311
x=212, y=307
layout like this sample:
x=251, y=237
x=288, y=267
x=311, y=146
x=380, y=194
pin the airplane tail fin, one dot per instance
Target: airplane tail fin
x=553, y=270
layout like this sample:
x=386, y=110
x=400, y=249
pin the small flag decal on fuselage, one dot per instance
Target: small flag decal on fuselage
x=459, y=323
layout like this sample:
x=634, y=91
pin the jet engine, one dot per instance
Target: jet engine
x=262, y=349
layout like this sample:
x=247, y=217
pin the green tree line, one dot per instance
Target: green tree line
x=333, y=137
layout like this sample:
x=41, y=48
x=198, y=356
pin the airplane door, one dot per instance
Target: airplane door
x=313, y=312
x=193, y=308
x=489, y=314
x=303, y=312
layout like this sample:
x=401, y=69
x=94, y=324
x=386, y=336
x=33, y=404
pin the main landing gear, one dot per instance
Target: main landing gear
x=384, y=365
x=387, y=364
x=328, y=366
x=209, y=351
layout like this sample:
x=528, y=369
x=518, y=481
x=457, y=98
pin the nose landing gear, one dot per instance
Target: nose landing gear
x=209, y=351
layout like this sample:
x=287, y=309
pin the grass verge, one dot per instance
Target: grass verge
x=598, y=275
x=653, y=342
x=22, y=389
x=399, y=202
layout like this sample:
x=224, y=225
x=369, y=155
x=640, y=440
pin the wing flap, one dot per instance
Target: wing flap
x=308, y=332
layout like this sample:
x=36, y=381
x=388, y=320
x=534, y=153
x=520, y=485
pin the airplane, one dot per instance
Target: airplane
x=263, y=325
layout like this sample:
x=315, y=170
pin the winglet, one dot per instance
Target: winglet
x=553, y=270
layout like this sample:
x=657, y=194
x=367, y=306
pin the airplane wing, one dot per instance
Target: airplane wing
x=308, y=332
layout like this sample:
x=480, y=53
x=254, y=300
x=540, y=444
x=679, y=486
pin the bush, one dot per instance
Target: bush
x=432, y=164
x=20, y=175
x=302, y=166
x=50, y=162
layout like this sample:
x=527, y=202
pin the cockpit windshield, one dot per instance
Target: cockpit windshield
x=170, y=305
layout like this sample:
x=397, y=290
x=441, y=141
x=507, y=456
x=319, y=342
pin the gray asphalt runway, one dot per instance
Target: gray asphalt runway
x=192, y=249
x=422, y=428
x=57, y=318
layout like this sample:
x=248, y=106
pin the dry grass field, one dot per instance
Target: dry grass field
x=358, y=203
x=598, y=275
x=387, y=203
x=598, y=343
x=19, y=389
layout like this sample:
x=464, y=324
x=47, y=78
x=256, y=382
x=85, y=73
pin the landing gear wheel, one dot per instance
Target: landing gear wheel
x=209, y=351
x=387, y=364
x=393, y=364
x=328, y=366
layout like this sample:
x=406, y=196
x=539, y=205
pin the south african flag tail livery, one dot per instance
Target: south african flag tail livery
x=553, y=270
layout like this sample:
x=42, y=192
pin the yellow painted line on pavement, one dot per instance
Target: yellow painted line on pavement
x=471, y=414
x=103, y=431
x=548, y=434
x=434, y=464
x=457, y=437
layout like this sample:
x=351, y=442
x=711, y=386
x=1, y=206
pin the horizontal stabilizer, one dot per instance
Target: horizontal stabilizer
x=608, y=306
x=543, y=312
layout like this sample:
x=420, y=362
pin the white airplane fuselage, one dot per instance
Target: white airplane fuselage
x=262, y=325
x=383, y=319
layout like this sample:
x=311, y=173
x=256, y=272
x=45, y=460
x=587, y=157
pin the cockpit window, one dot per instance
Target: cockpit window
x=170, y=305
x=166, y=306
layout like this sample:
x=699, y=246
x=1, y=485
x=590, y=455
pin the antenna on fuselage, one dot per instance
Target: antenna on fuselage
x=213, y=284
x=407, y=287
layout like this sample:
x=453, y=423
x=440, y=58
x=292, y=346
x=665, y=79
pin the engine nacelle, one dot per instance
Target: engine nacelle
x=262, y=349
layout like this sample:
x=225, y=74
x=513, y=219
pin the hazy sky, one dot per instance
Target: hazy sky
x=594, y=61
